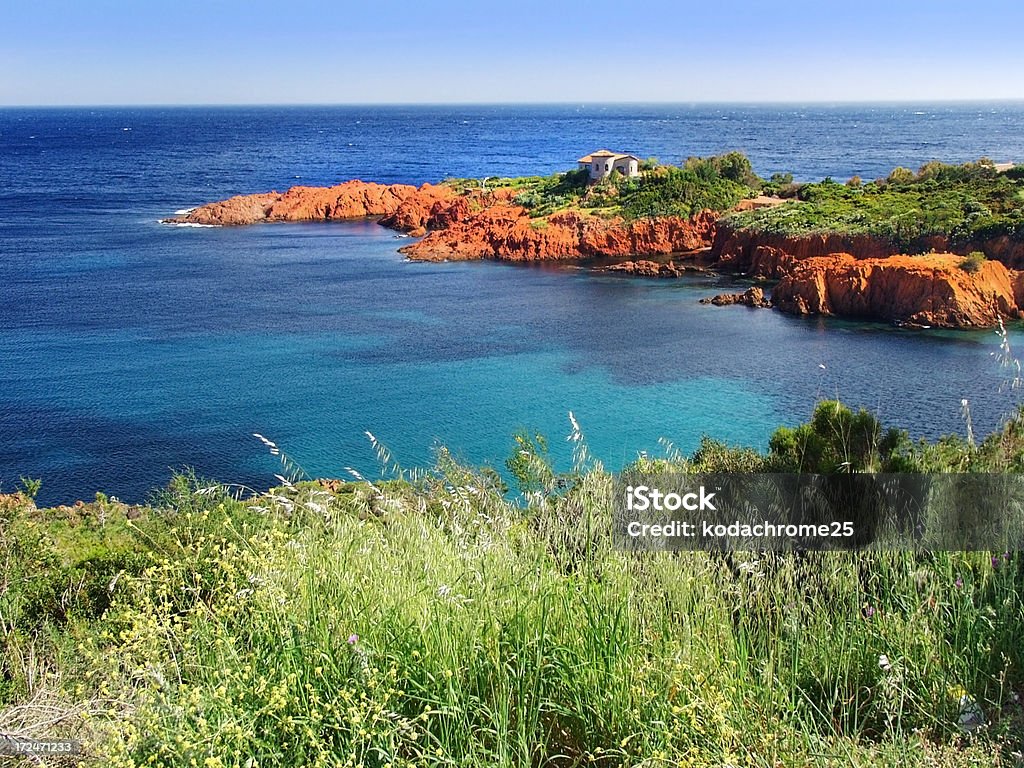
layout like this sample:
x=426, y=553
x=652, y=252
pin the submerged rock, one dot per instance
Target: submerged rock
x=646, y=268
x=752, y=297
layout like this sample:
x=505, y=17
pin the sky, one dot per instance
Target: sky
x=93, y=52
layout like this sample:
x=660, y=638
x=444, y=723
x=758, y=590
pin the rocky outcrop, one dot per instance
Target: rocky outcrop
x=464, y=225
x=647, y=268
x=504, y=231
x=411, y=208
x=752, y=297
x=235, y=211
x=866, y=277
x=428, y=209
x=928, y=290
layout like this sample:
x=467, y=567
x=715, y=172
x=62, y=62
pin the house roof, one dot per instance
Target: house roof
x=605, y=153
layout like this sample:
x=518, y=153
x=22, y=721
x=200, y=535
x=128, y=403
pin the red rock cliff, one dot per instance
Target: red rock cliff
x=926, y=290
x=412, y=207
x=504, y=231
x=745, y=251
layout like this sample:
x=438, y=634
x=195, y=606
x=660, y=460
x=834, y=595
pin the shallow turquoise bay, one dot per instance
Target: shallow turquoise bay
x=128, y=348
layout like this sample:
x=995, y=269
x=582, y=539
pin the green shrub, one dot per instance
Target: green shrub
x=901, y=175
x=30, y=486
x=543, y=196
x=732, y=166
x=715, y=456
x=838, y=440
x=973, y=262
x=717, y=183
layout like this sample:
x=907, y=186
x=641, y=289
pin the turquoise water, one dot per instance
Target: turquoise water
x=129, y=348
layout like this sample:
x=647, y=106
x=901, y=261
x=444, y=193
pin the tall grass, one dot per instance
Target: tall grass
x=436, y=622
x=428, y=619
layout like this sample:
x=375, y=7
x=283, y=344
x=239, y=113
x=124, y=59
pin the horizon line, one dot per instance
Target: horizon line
x=551, y=103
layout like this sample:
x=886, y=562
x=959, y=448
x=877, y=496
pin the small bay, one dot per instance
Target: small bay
x=130, y=348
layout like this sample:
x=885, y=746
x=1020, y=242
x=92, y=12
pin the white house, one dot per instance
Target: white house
x=603, y=162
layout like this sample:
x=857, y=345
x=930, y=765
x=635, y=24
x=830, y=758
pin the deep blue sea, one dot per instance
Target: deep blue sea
x=129, y=348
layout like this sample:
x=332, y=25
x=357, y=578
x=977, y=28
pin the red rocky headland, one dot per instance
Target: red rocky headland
x=858, y=277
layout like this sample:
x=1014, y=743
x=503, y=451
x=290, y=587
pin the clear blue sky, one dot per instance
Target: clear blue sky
x=298, y=51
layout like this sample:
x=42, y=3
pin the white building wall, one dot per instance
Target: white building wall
x=627, y=166
x=600, y=167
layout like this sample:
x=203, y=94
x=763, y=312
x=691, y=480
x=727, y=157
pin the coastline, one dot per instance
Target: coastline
x=823, y=273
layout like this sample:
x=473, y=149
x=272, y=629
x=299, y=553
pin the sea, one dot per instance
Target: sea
x=130, y=350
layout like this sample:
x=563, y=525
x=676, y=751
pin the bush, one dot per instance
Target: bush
x=838, y=440
x=30, y=486
x=973, y=262
x=901, y=175
x=781, y=185
x=542, y=196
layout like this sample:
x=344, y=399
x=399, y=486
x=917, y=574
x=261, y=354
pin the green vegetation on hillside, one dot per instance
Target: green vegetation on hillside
x=965, y=203
x=425, y=619
x=716, y=182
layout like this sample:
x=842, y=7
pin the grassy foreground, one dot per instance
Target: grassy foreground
x=428, y=620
